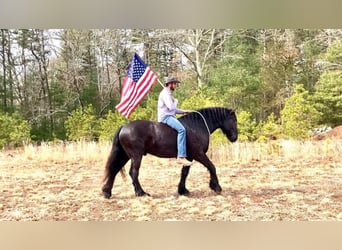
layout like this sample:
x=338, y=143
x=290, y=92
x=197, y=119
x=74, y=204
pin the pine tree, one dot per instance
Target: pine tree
x=299, y=115
x=328, y=95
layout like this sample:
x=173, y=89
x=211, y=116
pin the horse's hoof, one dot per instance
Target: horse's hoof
x=216, y=187
x=140, y=194
x=106, y=193
x=184, y=192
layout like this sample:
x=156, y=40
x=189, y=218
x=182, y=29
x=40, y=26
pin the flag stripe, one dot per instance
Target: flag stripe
x=141, y=89
x=129, y=92
x=142, y=93
x=137, y=84
x=129, y=98
x=133, y=93
x=135, y=102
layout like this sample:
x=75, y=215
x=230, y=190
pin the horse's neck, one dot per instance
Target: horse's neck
x=213, y=122
x=203, y=119
x=206, y=120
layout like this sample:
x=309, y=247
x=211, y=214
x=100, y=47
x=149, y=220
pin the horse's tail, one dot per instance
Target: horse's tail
x=116, y=160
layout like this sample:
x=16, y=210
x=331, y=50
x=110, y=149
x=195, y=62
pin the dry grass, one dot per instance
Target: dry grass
x=281, y=180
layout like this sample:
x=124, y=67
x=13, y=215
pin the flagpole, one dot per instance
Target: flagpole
x=161, y=83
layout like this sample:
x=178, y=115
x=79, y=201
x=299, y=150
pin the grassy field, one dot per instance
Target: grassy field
x=279, y=180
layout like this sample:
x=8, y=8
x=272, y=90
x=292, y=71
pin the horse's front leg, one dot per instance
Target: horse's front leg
x=214, y=183
x=134, y=173
x=181, y=186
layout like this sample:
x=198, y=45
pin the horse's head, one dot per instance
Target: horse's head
x=229, y=127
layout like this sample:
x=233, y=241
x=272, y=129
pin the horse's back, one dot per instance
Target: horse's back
x=143, y=136
x=136, y=131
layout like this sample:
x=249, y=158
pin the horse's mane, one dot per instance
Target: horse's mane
x=212, y=115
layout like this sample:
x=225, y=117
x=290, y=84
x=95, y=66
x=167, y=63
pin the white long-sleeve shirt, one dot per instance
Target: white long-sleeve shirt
x=167, y=105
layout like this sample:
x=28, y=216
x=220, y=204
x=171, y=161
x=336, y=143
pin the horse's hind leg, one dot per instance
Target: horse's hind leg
x=134, y=173
x=115, y=163
x=182, y=190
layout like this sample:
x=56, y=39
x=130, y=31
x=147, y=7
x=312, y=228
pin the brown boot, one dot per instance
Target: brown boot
x=184, y=162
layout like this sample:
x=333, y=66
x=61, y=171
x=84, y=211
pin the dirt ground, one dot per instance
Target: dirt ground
x=303, y=189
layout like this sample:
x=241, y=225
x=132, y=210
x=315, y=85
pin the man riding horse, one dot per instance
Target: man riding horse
x=167, y=110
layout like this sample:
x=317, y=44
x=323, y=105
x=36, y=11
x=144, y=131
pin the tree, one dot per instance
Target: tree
x=92, y=66
x=299, y=115
x=4, y=83
x=278, y=72
x=40, y=51
x=199, y=46
x=307, y=70
x=113, y=56
x=78, y=69
x=328, y=95
x=7, y=63
x=236, y=78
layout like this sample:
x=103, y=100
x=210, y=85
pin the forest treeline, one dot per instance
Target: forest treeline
x=65, y=84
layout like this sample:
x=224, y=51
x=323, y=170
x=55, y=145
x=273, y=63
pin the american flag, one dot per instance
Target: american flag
x=138, y=82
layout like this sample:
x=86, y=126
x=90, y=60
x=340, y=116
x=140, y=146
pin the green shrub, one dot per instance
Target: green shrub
x=82, y=124
x=110, y=124
x=14, y=130
x=246, y=126
x=269, y=129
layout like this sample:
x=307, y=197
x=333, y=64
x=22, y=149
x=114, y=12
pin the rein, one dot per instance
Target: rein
x=205, y=122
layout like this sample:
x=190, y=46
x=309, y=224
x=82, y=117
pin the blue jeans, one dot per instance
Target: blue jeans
x=181, y=137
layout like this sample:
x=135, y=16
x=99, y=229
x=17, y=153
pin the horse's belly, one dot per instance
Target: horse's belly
x=165, y=150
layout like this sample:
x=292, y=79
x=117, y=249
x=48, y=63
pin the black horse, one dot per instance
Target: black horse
x=141, y=137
